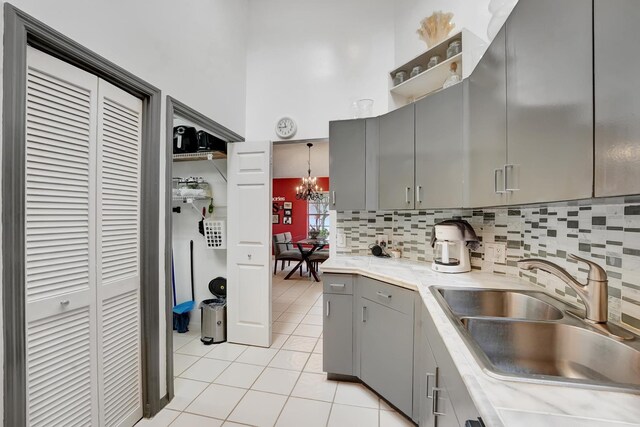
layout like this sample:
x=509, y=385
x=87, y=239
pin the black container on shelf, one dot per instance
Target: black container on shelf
x=208, y=142
x=185, y=140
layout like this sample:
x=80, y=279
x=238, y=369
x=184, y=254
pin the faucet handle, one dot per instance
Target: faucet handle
x=596, y=273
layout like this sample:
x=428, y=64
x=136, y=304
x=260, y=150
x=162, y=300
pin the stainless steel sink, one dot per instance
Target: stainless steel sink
x=497, y=303
x=554, y=350
x=523, y=335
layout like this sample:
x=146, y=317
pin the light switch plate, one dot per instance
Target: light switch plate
x=495, y=252
x=341, y=240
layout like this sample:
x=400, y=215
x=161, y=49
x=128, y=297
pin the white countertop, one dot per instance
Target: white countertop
x=500, y=402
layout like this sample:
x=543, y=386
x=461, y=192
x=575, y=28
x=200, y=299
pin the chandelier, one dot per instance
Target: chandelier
x=309, y=189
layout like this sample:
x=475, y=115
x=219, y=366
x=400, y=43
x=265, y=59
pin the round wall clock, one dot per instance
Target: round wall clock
x=286, y=128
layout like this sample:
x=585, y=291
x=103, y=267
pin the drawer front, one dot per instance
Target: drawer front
x=337, y=284
x=388, y=295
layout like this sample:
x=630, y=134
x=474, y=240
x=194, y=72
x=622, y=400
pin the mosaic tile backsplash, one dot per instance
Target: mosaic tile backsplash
x=608, y=234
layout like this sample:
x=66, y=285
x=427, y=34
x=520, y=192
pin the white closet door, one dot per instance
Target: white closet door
x=118, y=247
x=249, y=243
x=60, y=237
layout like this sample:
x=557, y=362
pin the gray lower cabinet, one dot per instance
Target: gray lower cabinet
x=396, y=176
x=386, y=353
x=439, y=149
x=347, y=164
x=383, y=335
x=486, y=136
x=549, y=101
x=617, y=98
x=337, y=345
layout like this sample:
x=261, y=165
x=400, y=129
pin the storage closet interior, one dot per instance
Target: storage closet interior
x=199, y=212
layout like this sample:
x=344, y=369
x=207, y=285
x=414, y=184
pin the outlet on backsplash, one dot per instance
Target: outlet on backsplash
x=495, y=252
x=383, y=240
x=341, y=240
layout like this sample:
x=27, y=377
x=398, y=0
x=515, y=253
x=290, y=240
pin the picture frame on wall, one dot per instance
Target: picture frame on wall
x=288, y=205
x=287, y=212
x=286, y=220
x=275, y=219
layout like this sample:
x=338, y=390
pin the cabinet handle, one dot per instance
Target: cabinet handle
x=418, y=189
x=64, y=302
x=508, y=167
x=364, y=309
x=328, y=308
x=434, y=406
x=333, y=198
x=495, y=181
x=406, y=194
x=429, y=375
x=337, y=285
x=380, y=294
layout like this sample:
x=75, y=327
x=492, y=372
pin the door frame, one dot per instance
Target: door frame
x=20, y=30
x=175, y=107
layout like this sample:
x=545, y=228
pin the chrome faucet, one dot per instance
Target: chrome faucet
x=594, y=294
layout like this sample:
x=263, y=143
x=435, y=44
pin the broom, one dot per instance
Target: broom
x=181, y=311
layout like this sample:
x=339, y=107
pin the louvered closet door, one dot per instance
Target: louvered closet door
x=60, y=237
x=119, y=323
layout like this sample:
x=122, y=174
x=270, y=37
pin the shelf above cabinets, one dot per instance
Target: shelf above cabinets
x=431, y=80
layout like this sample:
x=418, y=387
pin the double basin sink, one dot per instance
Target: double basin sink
x=527, y=335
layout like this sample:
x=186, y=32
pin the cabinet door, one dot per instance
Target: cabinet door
x=427, y=380
x=396, y=179
x=438, y=153
x=550, y=101
x=373, y=162
x=617, y=99
x=347, y=139
x=486, y=137
x=337, y=345
x=386, y=353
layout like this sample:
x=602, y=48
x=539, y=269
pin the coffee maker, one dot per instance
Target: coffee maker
x=452, y=241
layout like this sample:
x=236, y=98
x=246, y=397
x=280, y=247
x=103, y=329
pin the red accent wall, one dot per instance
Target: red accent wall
x=286, y=187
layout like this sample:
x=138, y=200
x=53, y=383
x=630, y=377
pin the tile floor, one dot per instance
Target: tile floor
x=236, y=385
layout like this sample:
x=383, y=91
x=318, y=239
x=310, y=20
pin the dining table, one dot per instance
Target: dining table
x=307, y=247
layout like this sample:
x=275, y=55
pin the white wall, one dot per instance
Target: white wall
x=291, y=160
x=311, y=59
x=192, y=50
x=471, y=14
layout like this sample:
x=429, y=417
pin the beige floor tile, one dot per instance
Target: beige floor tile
x=315, y=386
x=258, y=409
x=292, y=360
x=308, y=331
x=216, y=401
x=279, y=381
x=283, y=327
x=162, y=419
x=185, y=391
x=192, y=420
x=239, y=375
x=356, y=395
x=352, y=416
x=302, y=412
x=298, y=343
x=226, y=351
x=181, y=362
x=257, y=356
x=205, y=370
x=393, y=419
x=314, y=364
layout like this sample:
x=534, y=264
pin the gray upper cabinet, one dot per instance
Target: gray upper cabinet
x=549, y=101
x=617, y=98
x=396, y=177
x=347, y=164
x=372, y=162
x=486, y=136
x=439, y=149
